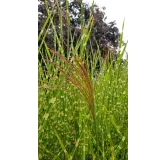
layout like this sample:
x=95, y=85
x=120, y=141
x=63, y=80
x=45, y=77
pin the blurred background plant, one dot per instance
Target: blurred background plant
x=76, y=15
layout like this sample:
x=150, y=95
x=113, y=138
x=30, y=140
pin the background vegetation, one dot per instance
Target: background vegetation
x=83, y=88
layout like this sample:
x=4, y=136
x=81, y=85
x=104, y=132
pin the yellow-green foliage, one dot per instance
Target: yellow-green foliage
x=83, y=112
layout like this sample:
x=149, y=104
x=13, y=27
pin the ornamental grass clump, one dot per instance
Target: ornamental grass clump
x=82, y=96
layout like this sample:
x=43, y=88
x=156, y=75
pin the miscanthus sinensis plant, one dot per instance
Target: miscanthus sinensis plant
x=83, y=111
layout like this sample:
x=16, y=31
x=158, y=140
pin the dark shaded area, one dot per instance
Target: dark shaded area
x=106, y=34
